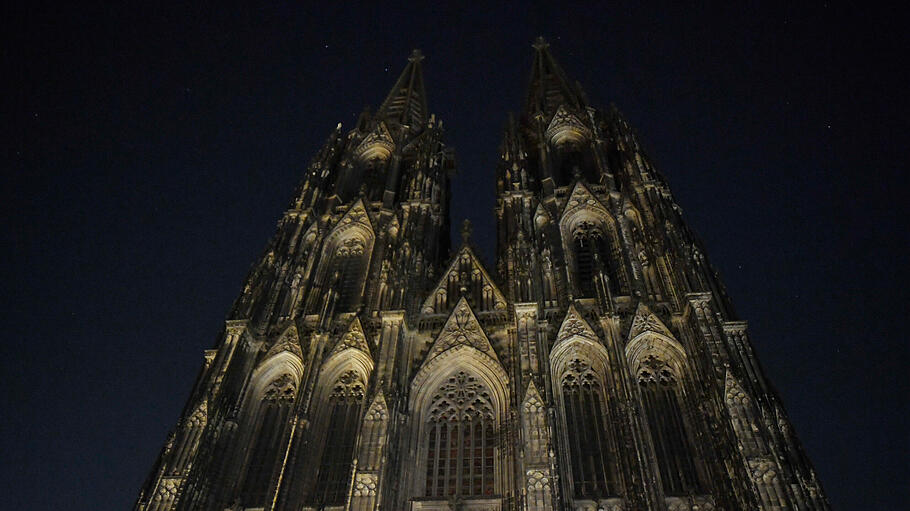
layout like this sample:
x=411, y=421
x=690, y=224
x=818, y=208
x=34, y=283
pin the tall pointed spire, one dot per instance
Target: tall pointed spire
x=407, y=101
x=548, y=88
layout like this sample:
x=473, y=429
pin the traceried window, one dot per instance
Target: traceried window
x=586, y=426
x=460, y=440
x=661, y=394
x=348, y=270
x=274, y=412
x=345, y=403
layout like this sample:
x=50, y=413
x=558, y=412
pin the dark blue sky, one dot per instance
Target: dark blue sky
x=149, y=152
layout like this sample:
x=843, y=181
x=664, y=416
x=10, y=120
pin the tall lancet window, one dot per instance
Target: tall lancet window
x=274, y=412
x=570, y=162
x=460, y=440
x=374, y=177
x=587, y=432
x=334, y=474
x=593, y=256
x=663, y=407
x=348, y=270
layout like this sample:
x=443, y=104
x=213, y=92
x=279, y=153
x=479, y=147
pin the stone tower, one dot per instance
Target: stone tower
x=599, y=367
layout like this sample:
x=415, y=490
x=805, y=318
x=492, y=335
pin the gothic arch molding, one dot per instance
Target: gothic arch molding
x=461, y=357
x=460, y=371
x=272, y=368
x=659, y=345
x=588, y=232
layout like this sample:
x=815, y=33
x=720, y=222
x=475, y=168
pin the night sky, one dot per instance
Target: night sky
x=149, y=152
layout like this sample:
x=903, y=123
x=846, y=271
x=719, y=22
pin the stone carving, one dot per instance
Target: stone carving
x=199, y=416
x=353, y=338
x=462, y=273
x=539, y=480
x=647, y=321
x=349, y=386
x=565, y=127
x=462, y=397
x=365, y=485
x=287, y=342
x=574, y=325
x=376, y=145
x=462, y=328
x=654, y=370
x=282, y=390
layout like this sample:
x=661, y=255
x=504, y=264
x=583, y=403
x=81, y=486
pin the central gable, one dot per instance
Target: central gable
x=465, y=273
x=462, y=328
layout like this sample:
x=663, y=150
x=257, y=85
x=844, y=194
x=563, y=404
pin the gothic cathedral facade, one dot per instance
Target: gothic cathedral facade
x=597, y=366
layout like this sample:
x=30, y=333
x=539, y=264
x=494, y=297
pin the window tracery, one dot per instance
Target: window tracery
x=345, y=402
x=661, y=395
x=460, y=439
x=273, y=415
x=586, y=427
x=348, y=270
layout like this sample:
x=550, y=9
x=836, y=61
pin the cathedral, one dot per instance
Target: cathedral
x=597, y=365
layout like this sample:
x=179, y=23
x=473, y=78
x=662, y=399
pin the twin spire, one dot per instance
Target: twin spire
x=548, y=89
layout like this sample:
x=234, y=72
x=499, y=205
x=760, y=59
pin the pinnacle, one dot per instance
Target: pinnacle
x=549, y=87
x=466, y=231
x=416, y=56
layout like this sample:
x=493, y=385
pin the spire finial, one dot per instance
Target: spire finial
x=406, y=102
x=540, y=43
x=466, y=230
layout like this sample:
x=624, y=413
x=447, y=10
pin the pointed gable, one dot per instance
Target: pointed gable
x=462, y=328
x=733, y=391
x=288, y=341
x=377, y=144
x=356, y=215
x=465, y=265
x=199, y=416
x=574, y=325
x=566, y=127
x=354, y=338
x=532, y=396
x=646, y=321
x=378, y=409
x=582, y=198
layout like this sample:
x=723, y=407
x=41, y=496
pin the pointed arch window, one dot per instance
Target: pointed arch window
x=374, y=177
x=460, y=440
x=594, y=256
x=274, y=413
x=666, y=421
x=586, y=427
x=569, y=162
x=345, y=401
x=349, y=267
